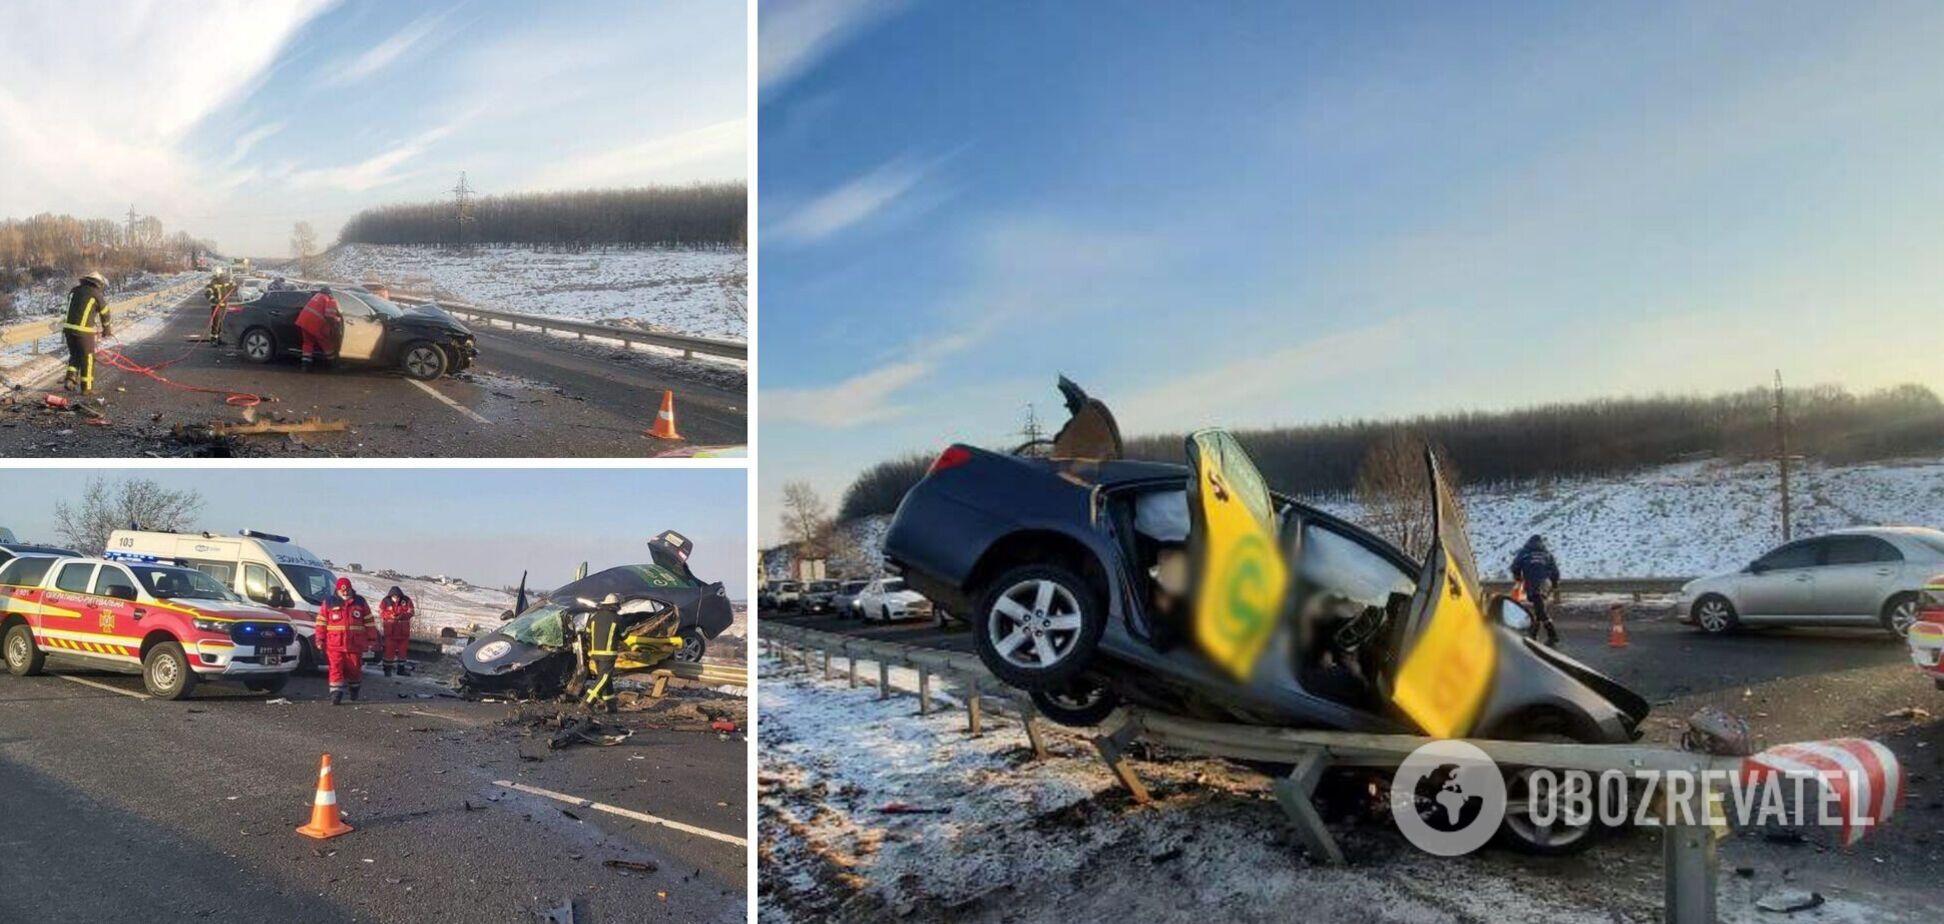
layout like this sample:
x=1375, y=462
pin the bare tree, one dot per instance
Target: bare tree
x=138, y=502
x=1395, y=491
x=806, y=521
x=303, y=245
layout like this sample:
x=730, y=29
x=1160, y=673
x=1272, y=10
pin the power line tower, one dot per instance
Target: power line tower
x=1032, y=431
x=462, y=207
x=1782, y=452
x=129, y=238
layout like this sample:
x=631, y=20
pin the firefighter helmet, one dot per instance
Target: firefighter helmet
x=96, y=278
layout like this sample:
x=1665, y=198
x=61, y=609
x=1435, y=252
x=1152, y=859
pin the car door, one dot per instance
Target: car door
x=363, y=328
x=1858, y=573
x=117, y=614
x=1782, y=584
x=68, y=607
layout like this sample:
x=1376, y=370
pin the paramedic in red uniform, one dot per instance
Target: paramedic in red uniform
x=343, y=621
x=321, y=324
x=396, y=612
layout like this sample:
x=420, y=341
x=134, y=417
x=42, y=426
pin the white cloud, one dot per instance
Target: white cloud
x=858, y=400
x=248, y=141
x=849, y=205
x=796, y=34
x=683, y=156
x=381, y=55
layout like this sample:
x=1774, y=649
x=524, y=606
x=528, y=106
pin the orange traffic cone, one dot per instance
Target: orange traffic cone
x=664, y=428
x=325, y=821
x=1616, y=626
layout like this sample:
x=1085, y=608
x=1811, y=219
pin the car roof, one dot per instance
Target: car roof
x=22, y=549
x=1886, y=531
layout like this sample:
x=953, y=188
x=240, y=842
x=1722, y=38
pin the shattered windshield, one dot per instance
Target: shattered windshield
x=181, y=584
x=544, y=625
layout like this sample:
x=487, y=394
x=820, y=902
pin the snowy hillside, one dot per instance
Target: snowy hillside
x=439, y=606
x=1673, y=521
x=694, y=292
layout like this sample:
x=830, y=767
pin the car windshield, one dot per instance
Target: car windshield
x=787, y=587
x=541, y=625
x=181, y=584
x=313, y=584
x=823, y=587
x=855, y=586
x=382, y=307
x=892, y=587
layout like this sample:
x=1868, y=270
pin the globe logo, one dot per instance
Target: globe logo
x=1448, y=798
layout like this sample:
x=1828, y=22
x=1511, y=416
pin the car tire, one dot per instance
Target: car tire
x=693, y=649
x=258, y=345
x=424, y=360
x=271, y=685
x=24, y=658
x=1079, y=704
x=1063, y=622
x=1900, y=613
x=166, y=673
x=1552, y=840
x=1714, y=615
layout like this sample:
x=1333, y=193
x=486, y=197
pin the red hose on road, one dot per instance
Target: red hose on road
x=120, y=360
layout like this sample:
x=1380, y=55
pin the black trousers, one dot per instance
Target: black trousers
x=81, y=350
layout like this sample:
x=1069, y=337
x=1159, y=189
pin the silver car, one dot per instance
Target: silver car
x=1864, y=576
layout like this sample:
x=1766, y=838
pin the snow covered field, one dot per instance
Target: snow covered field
x=1672, y=521
x=50, y=298
x=1004, y=838
x=694, y=292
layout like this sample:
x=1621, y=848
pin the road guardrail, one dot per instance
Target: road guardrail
x=709, y=346
x=716, y=673
x=35, y=331
x=1690, y=867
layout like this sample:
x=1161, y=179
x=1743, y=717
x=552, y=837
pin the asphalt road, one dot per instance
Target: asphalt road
x=116, y=808
x=1790, y=684
x=529, y=395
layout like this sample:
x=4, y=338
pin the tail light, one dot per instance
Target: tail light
x=1930, y=604
x=953, y=457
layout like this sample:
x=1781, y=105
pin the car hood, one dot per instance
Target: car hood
x=702, y=606
x=430, y=317
x=227, y=609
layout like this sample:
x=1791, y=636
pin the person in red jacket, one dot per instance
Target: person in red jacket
x=342, y=623
x=321, y=324
x=396, y=612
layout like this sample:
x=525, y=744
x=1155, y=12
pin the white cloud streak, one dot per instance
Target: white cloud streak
x=383, y=54
x=797, y=34
x=851, y=204
x=720, y=146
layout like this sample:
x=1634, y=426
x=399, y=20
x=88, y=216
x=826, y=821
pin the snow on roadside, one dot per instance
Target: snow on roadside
x=50, y=298
x=693, y=292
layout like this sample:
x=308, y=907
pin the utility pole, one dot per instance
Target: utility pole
x=1032, y=431
x=1782, y=452
x=129, y=239
x=462, y=207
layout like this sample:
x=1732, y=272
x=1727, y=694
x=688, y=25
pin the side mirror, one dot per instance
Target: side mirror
x=280, y=598
x=1511, y=614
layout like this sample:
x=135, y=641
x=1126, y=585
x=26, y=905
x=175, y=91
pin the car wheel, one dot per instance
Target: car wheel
x=1715, y=615
x=166, y=673
x=1079, y=704
x=1900, y=613
x=692, y=650
x=24, y=658
x=1520, y=832
x=423, y=360
x=271, y=685
x=1037, y=627
x=258, y=345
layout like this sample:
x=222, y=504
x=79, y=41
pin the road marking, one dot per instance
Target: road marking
x=102, y=686
x=624, y=813
x=434, y=715
x=448, y=401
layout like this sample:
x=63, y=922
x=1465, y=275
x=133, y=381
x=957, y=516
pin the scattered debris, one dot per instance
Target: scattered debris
x=723, y=725
x=631, y=866
x=564, y=914
x=1913, y=713
x=906, y=808
x=588, y=731
x=307, y=425
x=1789, y=900
x=279, y=701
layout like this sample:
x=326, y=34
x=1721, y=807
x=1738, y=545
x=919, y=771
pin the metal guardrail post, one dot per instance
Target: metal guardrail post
x=1029, y=719
x=973, y=706
x=1293, y=793
x=826, y=654
x=1113, y=750
x=884, y=678
x=924, y=691
x=852, y=657
x=1689, y=864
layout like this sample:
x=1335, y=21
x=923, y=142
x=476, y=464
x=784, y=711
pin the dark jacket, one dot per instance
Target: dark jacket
x=1535, y=566
x=87, y=309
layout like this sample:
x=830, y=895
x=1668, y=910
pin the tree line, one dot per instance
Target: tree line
x=46, y=246
x=698, y=215
x=1563, y=440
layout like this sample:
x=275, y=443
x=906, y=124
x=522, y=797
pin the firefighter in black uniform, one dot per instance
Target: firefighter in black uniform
x=87, y=322
x=603, y=641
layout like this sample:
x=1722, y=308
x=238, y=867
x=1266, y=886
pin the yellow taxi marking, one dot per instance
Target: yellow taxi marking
x=624, y=813
x=448, y=402
x=102, y=686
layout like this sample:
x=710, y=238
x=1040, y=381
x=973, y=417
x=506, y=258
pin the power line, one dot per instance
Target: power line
x=462, y=206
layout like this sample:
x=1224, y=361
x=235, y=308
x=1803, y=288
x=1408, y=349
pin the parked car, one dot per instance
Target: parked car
x=1856, y=577
x=12, y=549
x=176, y=625
x=1077, y=573
x=1926, y=635
x=844, y=601
x=423, y=342
x=818, y=596
x=889, y=600
x=787, y=595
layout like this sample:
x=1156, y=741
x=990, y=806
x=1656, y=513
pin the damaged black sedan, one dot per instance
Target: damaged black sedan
x=668, y=614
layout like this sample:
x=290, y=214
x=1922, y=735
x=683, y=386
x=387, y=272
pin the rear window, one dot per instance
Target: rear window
x=75, y=577
x=1860, y=550
x=26, y=571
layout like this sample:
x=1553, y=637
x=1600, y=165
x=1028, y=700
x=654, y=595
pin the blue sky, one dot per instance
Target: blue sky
x=1304, y=212
x=484, y=525
x=233, y=119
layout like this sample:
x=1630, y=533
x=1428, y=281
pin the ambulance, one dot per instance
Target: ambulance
x=264, y=568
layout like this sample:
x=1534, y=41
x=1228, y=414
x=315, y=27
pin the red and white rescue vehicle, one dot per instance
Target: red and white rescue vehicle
x=1926, y=635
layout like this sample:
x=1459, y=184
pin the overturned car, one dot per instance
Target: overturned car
x=670, y=615
x=1090, y=580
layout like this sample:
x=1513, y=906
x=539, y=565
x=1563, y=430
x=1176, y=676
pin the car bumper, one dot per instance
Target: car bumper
x=224, y=659
x=1927, y=647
